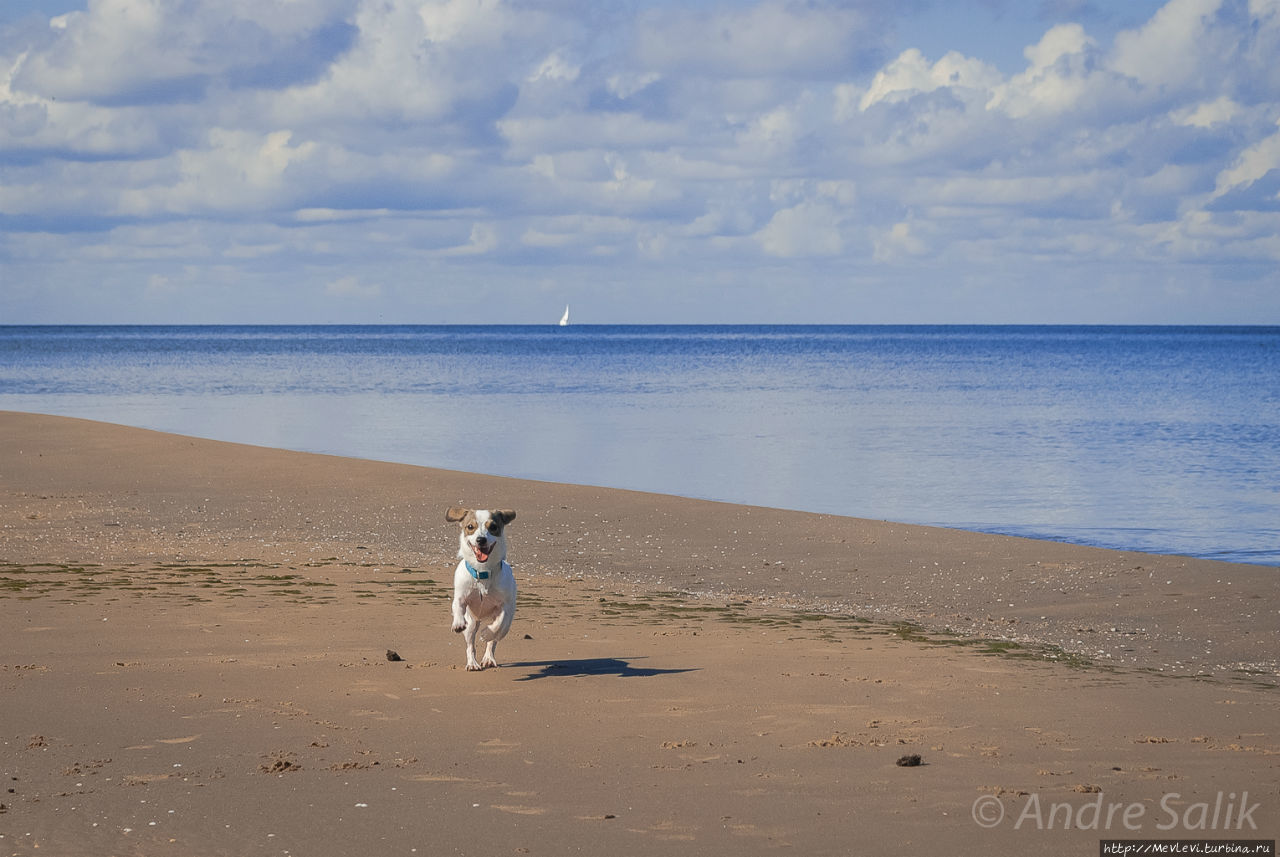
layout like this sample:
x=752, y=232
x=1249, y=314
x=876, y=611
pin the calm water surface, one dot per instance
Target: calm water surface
x=1162, y=439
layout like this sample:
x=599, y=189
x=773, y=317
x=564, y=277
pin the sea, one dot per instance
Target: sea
x=1159, y=439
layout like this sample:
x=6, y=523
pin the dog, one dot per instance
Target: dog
x=484, y=587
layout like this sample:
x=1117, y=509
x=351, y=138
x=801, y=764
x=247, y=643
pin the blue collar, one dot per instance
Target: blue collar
x=478, y=575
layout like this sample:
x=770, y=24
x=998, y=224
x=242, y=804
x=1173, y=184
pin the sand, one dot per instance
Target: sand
x=195, y=642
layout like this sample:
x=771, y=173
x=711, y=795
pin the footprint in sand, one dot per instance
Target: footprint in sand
x=497, y=745
x=519, y=810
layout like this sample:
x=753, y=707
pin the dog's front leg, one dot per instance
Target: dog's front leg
x=459, y=614
x=469, y=636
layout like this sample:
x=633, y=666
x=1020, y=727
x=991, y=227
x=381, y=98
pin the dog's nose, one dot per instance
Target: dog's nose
x=482, y=540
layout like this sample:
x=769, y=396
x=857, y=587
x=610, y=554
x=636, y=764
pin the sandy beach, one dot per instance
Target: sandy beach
x=196, y=641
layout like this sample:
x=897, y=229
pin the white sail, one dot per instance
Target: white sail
x=564, y=319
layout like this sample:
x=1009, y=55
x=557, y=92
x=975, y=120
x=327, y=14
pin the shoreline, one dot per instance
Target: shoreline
x=967, y=430
x=197, y=644
x=1017, y=531
x=1168, y=613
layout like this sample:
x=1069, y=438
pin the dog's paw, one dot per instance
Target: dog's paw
x=459, y=627
x=488, y=662
x=474, y=667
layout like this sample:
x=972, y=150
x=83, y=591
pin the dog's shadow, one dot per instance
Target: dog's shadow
x=571, y=668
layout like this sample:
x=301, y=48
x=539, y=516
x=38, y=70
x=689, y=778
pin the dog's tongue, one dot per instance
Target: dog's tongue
x=482, y=555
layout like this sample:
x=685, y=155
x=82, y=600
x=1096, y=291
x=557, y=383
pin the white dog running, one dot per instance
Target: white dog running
x=484, y=588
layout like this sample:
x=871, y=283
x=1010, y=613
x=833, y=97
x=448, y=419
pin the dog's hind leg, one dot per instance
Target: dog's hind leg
x=490, y=655
x=491, y=634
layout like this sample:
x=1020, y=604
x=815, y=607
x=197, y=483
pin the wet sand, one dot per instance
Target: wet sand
x=195, y=640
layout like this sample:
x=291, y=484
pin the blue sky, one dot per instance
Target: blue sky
x=441, y=161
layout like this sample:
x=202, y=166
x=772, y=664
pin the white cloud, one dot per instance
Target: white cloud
x=1168, y=49
x=540, y=238
x=811, y=228
x=1199, y=235
x=159, y=285
x=626, y=84
x=474, y=21
x=770, y=134
x=34, y=121
x=483, y=239
x=1208, y=113
x=1064, y=40
x=357, y=141
x=1056, y=78
x=1251, y=165
x=329, y=215
x=911, y=73
x=593, y=236
x=532, y=136
x=149, y=51
x=352, y=287
x=753, y=39
x=897, y=242
x=236, y=170
x=557, y=69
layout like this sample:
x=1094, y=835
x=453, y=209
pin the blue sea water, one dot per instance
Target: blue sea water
x=1161, y=439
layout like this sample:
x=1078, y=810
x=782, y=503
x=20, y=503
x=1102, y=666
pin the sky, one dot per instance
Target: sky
x=490, y=161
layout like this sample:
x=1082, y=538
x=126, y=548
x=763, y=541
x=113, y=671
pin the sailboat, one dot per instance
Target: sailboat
x=564, y=319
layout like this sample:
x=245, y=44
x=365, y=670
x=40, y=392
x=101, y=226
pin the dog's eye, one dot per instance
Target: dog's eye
x=492, y=527
x=471, y=528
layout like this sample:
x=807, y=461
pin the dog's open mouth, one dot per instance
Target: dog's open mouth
x=481, y=553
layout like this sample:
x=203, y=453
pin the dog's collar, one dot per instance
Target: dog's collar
x=476, y=573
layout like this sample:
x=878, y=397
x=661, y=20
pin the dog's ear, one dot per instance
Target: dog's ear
x=504, y=516
x=455, y=514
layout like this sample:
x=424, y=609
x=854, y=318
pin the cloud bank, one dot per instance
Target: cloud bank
x=448, y=160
